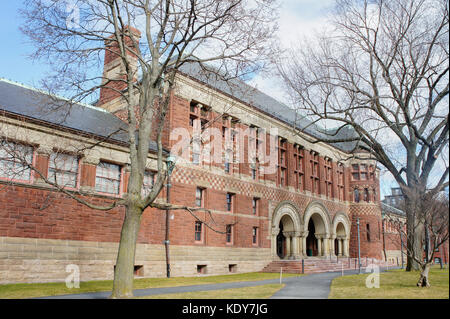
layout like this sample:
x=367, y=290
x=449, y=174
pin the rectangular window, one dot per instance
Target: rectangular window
x=314, y=172
x=328, y=166
x=149, y=181
x=255, y=206
x=198, y=231
x=299, y=173
x=230, y=202
x=14, y=158
x=368, y=232
x=340, y=181
x=199, y=192
x=282, y=167
x=107, y=179
x=229, y=234
x=63, y=169
x=255, y=236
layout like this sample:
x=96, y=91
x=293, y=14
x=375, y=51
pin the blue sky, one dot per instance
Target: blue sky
x=14, y=64
x=297, y=18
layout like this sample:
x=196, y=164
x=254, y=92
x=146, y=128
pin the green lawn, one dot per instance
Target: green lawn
x=257, y=292
x=394, y=284
x=17, y=291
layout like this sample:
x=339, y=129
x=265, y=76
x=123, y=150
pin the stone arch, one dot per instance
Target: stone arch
x=286, y=228
x=318, y=212
x=341, y=235
x=316, y=230
x=290, y=209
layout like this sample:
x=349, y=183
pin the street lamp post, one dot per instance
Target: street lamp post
x=170, y=162
x=359, y=247
x=401, y=243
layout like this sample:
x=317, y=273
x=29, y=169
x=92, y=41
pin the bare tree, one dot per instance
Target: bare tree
x=229, y=38
x=434, y=212
x=380, y=76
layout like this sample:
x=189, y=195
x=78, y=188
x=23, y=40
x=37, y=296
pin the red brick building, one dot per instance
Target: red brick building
x=305, y=205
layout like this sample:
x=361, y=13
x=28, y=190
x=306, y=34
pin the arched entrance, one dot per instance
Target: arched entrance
x=317, y=233
x=341, y=236
x=286, y=227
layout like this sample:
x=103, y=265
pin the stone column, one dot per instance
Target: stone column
x=319, y=245
x=339, y=247
x=332, y=245
x=275, y=232
x=326, y=245
x=288, y=246
x=305, y=234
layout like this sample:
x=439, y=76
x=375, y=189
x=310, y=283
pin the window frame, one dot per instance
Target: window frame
x=121, y=172
x=30, y=180
x=78, y=175
x=200, y=233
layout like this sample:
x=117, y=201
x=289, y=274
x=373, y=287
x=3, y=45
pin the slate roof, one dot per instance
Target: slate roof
x=20, y=100
x=265, y=103
x=385, y=208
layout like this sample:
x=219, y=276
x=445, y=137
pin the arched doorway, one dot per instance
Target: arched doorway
x=341, y=236
x=286, y=225
x=317, y=225
x=316, y=233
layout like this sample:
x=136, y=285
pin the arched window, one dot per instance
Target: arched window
x=366, y=195
x=356, y=195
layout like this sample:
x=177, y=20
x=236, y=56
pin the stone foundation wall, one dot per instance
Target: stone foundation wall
x=30, y=260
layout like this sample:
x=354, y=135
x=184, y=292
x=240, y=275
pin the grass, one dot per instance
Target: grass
x=257, y=292
x=394, y=284
x=19, y=291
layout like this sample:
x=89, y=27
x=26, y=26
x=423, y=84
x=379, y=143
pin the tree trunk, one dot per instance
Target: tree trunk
x=124, y=271
x=424, y=281
x=414, y=236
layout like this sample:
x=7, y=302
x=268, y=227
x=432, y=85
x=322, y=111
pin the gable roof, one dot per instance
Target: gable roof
x=37, y=105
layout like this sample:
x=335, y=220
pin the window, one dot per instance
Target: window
x=149, y=181
x=255, y=236
x=107, y=179
x=63, y=169
x=199, y=192
x=255, y=205
x=361, y=172
x=198, y=112
x=198, y=231
x=340, y=181
x=227, y=163
x=229, y=234
x=368, y=232
x=232, y=267
x=356, y=195
x=366, y=195
x=13, y=160
x=299, y=165
x=230, y=202
x=328, y=167
x=201, y=269
x=314, y=162
x=282, y=162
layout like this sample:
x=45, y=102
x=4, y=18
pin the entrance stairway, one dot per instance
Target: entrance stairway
x=312, y=265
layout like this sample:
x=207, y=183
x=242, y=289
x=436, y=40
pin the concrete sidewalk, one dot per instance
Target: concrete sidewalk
x=313, y=286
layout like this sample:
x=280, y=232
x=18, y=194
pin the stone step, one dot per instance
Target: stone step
x=318, y=264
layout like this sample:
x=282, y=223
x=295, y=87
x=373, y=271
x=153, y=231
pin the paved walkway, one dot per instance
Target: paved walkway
x=314, y=286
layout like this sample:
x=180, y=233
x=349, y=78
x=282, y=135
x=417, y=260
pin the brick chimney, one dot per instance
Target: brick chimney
x=114, y=69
